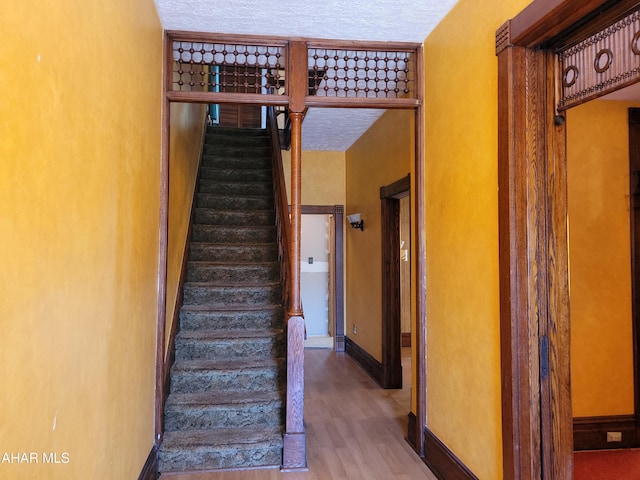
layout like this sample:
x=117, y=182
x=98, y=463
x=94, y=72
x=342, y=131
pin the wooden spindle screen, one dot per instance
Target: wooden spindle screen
x=230, y=68
x=604, y=62
x=361, y=73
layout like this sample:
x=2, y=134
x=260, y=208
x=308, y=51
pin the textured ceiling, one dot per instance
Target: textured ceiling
x=377, y=20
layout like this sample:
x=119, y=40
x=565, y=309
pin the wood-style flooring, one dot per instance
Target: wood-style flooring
x=355, y=429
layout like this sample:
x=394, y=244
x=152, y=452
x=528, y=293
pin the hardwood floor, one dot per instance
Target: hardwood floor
x=355, y=429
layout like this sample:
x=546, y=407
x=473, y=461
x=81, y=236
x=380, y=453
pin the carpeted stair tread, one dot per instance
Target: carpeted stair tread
x=206, y=251
x=230, y=409
x=235, y=188
x=230, y=272
x=244, y=202
x=233, y=234
x=229, y=397
x=228, y=334
x=219, y=436
x=244, y=364
x=227, y=308
x=194, y=450
x=243, y=218
x=216, y=344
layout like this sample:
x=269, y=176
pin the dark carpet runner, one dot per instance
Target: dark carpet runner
x=226, y=402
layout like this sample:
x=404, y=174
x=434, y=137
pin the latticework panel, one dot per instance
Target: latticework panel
x=604, y=62
x=362, y=73
x=230, y=68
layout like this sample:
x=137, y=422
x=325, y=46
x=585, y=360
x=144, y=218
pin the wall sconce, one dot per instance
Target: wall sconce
x=355, y=219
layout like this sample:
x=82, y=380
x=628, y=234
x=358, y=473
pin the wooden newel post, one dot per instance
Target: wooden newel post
x=294, y=448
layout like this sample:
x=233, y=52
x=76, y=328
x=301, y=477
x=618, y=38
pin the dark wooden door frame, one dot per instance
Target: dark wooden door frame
x=391, y=330
x=534, y=293
x=338, y=266
x=634, y=190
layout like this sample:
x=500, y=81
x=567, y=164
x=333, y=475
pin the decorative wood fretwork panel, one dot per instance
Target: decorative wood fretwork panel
x=362, y=73
x=231, y=68
x=600, y=64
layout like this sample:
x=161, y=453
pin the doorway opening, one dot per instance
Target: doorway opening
x=316, y=277
x=322, y=275
x=396, y=275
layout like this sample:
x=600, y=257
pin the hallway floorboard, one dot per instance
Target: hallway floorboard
x=355, y=429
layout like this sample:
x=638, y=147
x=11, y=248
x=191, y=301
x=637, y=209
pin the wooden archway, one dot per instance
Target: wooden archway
x=381, y=75
x=534, y=89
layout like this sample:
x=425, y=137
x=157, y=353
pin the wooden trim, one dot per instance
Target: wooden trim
x=590, y=433
x=420, y=249
x=411, y=429
x=405, y=339
x=170, y=354
x=226, y=97
x=184, y=35
x=163, y=245
x=360, y=102
x=442, y=461
x=339, y=276
x=150, y=467
x=634, y=220
x=397, y=189
x=542, y=20
x=372, y=366
x=391, y=299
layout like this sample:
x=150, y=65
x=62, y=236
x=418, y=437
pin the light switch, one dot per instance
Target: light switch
x=310, y=260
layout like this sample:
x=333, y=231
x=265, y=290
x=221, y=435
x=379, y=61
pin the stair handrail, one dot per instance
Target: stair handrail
x=283, y=224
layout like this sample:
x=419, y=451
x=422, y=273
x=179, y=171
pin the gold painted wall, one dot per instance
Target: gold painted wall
x=600, y=259
x=384, y=154
x=323, y=177
x=187, y=129
x=463, y=324
x=79, y=207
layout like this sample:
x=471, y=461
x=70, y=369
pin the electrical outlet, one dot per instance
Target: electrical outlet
x=355, y=330
x=614, y=436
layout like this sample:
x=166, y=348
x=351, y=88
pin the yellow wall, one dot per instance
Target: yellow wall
x=79, y=202
x=600, y=256
x=463, y=332
x=323, y=177
x=384, y=154
x=187, y=128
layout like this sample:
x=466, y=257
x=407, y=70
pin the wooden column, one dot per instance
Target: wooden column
x=294, y=448
x=536, y=413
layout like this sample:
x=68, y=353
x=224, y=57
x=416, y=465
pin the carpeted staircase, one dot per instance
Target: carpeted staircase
x=226, y=403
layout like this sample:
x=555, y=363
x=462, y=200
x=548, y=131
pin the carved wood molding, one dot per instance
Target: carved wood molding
x=602, y=63
x=503, y=37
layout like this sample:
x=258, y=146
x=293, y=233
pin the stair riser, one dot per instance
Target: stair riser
x=235, y=188
x=230, y=456
x=260, y=320
x=225, y=161
x=235, y=175
x=233, y=253
x=180, y=417
x=188, y=349
x=236, y=151
x=233, y=273
x=207, y=295
x=228, y=202
x=209, y=216
x=252, y=380
x=223, y=139
x=236, y=235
